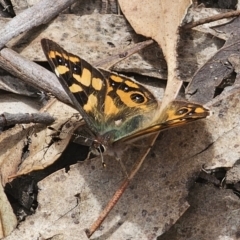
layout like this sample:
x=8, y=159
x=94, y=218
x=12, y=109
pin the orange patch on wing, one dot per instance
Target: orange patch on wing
x=91, y=103
x=86, y=77
x=78, y=78
x=131, y=84
x=60, y=70
x=52, y=54
x=172, y=115
x=97, y=83
x=116, y=78
x=200, y=110
x=74, y=88
x=74, y=59
x=110, y=108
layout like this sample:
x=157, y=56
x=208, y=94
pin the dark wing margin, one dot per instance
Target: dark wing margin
x=48, y=46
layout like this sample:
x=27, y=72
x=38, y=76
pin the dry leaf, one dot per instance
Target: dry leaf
x=8, y=220
x=13, y=103
x=14, y=85
x=195, y=49
x=224, y=127
x=212, y=75
x=160, y=20
x=198, y=13
x=12, y=143
x=214, y=214
x=43, y=150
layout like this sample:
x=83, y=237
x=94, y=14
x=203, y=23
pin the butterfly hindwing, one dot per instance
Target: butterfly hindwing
x=176, y=113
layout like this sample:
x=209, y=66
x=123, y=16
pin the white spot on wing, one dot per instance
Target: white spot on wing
x=56, y=72
x=118, y=122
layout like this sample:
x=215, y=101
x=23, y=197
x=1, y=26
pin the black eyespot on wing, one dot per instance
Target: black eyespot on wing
x=59, y=60
x=76, y=69
x=182, y=111
x=124, y=87
x=137, y=98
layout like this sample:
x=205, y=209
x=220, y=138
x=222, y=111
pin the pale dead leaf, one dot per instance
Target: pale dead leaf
x=233, y=175
x=13, y=103
x=224, y=126
x=8, y=220
x=160, y=20
x=12, y=143
x=142, y=206
x=195, y=49
x=43, y=150
x=214, y=214
x=12, y=84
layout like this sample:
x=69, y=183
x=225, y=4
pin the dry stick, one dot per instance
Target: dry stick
x=8, y=119
x=120, y=190
x=32, y=73
x=211, y=19
x=121, y=55
x=42, y=12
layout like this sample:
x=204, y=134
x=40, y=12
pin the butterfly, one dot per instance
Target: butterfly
x=116, y=109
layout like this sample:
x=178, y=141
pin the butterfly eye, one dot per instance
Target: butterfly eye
x=137, y=98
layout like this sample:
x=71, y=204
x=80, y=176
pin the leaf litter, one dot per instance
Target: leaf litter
x=157, y=197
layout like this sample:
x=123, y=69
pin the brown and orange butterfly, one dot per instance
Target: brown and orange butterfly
x=115, y=108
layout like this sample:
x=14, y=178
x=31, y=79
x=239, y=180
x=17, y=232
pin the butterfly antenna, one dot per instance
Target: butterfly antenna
x=73, y=134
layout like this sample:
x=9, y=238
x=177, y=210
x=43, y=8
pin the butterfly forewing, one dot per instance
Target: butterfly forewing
x=113, y=106
x=80, y=80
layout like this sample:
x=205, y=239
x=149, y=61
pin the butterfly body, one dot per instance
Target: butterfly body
x=115, y=108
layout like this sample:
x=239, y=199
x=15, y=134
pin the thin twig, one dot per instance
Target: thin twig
x=123, y=54
x=40, y=13
x=211, y=19
x=120, y=190
x=9, y=119
x=32, y=73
